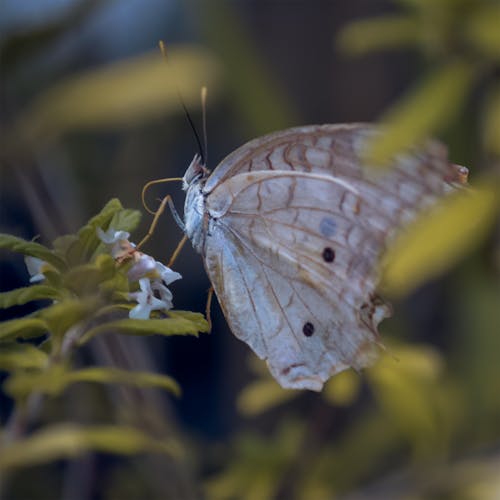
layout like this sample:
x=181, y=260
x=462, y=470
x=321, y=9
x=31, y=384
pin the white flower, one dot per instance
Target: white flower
x=166, y=274
x=144, y=265
x=146, y=301
x=153, y=276
x=122, y=248
x=111, y=236
x=34, y=266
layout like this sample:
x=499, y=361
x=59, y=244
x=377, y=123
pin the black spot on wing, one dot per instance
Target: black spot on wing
x=328, y=254
x=308, y=329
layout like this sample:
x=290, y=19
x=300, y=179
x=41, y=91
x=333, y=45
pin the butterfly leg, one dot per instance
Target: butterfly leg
x=159, y=211
x=177, y=250
x=208, y=307
x=153, y=225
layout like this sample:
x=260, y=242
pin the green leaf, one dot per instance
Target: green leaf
x=406, y=384
x=123, y=93
x=178, y=323
x=125, y=220
x=343, y=388
x=387, y=32
x=23, y=328
x=68, y=441
x=260, y=460
x=60, y=317
x=194, y=318
x=74, y=252
x=24, y=356
x=438, y=239
x=51, y=381
x=86, y=278
x=87, y=235
x=57, y=378
x=63, y=244
x=492, y=122
x=262, y=395
x=422, y=112
x=24, y=247
x=109, y=375
x=482, y=30
x=21, y=296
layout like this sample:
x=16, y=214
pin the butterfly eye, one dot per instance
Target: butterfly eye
x=328, y=254
x=308, y=329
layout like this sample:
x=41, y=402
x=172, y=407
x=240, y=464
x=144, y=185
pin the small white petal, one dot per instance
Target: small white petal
x=140, y=311
x=111, y=236
x=167, y=275
x=143, y=266
x=164, y=292
x=147, y=302
x=34, y=266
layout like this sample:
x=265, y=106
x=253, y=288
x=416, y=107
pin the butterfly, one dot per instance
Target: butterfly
x=291, y=227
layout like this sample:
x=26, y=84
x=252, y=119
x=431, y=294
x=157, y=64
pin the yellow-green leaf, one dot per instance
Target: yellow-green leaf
x=419, y=114
x=405, y=382
x=23, y=328
x=343, y=388
x=262, y=395
x=24, y=247
x=438, y=239
x=178, y=323
x=27, y=294
x=67, y=313
x=86, y=278
x=192, y=318
x=108, y=375
x=57, y=379
x=51, y=381
x=26, y=356
x=87, y=235
x=387, y=32
x=492, y=122
x=123, y=93
x=68, y=441
x=483, y=29
x=125, y=220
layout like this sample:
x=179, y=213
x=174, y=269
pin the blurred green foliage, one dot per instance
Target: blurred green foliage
x=427, y=408
x=122, y=94
x=459, y=40
x=86, y=293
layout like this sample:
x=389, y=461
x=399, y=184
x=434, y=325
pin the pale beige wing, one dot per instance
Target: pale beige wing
x=293, y=261
x=301, y=332
x=294, y=240
x=336, y=148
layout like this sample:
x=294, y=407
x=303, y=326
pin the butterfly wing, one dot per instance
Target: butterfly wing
x=338, y=149
x=293, y=244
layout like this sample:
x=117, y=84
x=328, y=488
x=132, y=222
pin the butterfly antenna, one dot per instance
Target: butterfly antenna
x=163, y=50
x=204, y=118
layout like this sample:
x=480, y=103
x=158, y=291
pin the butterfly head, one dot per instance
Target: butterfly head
x=196, y=172
x=194, y=205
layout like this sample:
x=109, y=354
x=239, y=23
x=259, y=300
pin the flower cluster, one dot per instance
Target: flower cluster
x=153, y=276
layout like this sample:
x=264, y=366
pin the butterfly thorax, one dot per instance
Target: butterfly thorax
x=194, y=206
